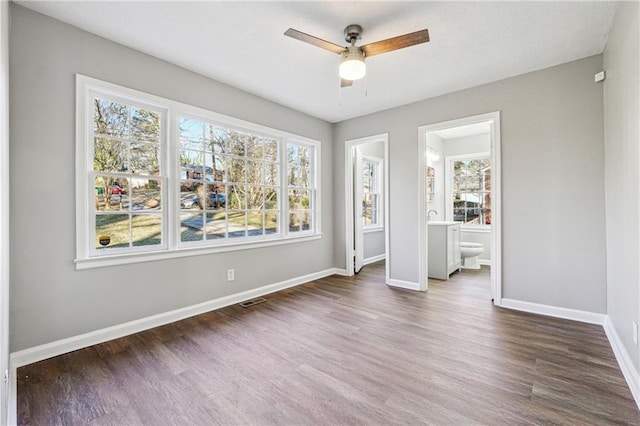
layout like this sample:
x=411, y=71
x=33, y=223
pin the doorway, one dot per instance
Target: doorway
x=366, y=202
x=475, y=155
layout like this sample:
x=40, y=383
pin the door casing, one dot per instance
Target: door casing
x=496, y=210
x=350, y=205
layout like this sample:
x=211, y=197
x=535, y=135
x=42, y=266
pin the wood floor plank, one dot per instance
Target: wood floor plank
x=342, y=350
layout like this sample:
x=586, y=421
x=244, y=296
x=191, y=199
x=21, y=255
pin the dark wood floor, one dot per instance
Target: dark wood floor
x=341, y=351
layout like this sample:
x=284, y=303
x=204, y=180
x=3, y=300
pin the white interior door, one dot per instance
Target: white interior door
x=358, y=224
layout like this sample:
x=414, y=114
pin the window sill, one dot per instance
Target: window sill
x=478, y=230
x=373, y=229
x=129, y=258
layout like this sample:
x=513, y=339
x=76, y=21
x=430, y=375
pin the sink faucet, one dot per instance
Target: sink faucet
x=429, y=214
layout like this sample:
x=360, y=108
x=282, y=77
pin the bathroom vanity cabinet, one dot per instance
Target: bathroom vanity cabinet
x=444, y=249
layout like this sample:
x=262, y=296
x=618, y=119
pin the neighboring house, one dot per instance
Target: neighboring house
x=568, y=144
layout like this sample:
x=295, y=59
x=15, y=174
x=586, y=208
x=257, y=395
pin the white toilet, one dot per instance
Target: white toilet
x=469, y=253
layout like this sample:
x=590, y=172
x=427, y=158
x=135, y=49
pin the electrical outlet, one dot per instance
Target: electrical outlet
x=231, y=274
x=635, y=333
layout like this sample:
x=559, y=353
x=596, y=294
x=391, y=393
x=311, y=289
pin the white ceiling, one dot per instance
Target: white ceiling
x=242, y=44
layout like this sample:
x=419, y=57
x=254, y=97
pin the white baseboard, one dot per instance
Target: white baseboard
x=341, y=271
x=59, y=347
x=554, y=311
x=484, y=262
x=629, y=371
x=374, y=259
x=409, y=285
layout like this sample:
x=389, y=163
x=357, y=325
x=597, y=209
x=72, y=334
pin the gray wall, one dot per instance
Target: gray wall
x=49, y=299
x=373, y=244
x=552, y=181
x=621, y=112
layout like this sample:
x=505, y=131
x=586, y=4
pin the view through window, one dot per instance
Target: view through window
x=471, y=182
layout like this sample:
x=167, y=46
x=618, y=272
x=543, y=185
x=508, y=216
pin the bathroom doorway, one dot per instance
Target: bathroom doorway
x=459, y=194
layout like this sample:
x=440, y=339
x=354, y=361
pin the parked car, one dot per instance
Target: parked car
x=193, y=202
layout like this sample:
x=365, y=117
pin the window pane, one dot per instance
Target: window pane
x=214, y=167
x=305, y=220
x=216, y=226
x=236, y=170
x=144, y=125
x=254, y=172
x=293, y=176
x=191, y=165
x=271, y=174
x=145, y=194
x=237, y=224
x=486, y=216
x=236, y=197
x=110, y=118
x=255, y=223
x=146, y=230
x=254, y=147
x=271, y=222
x=459, y=214
x=305, y=177
x=271, y=150
x=112, y=230
x=191, y=134
x=216, y=196
x=292, y=154
x=305, y=156
x=236, y=143
x=189, y=194
x=270, y=198
x=294, y=222
x=295, y=199
x=366, y=216
x=111, y=193
x=472, y=183
x=191, y=226
x=215, y=139
x=109, y=155
x=255, y=198
x=144, y=158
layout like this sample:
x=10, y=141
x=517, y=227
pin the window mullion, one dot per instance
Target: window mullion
x=284, y=188
x=171, y=178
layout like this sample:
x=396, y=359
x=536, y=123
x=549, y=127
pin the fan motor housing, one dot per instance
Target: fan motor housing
x=352, y=32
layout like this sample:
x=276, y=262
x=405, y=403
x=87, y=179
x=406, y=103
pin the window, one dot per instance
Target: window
x=471, y=189
x=371, y=190
x=300, y=187
x=125, y=143
x=228, y=182
x=214, y=183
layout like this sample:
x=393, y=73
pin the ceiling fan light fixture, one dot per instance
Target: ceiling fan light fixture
x=352, y=66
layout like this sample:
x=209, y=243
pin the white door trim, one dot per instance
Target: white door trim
x=7, y=401
x=358, y=225
x=348, y=199
x=496, y=198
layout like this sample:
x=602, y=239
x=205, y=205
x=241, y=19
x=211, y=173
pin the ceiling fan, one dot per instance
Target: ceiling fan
x=352, y=66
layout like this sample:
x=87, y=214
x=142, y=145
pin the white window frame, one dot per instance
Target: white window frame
x=88, y=257
x=448, y=164
x=378, y=178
